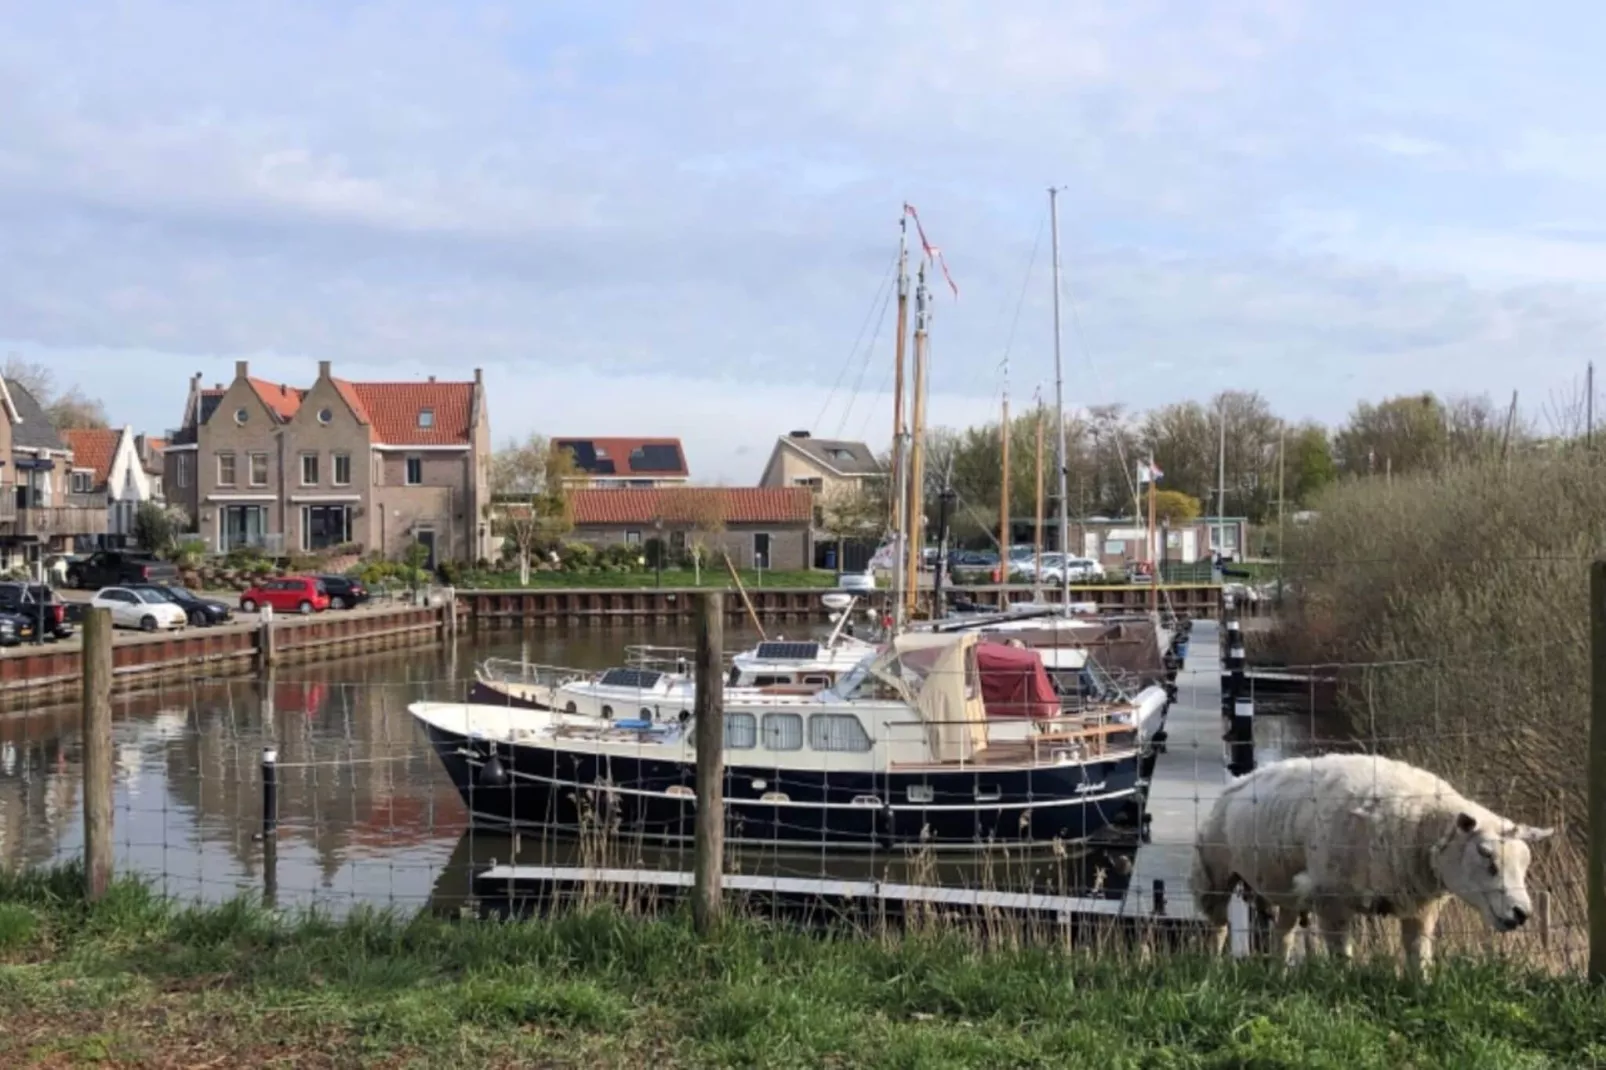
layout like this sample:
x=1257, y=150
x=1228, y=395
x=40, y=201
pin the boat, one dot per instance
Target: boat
x=934, y=741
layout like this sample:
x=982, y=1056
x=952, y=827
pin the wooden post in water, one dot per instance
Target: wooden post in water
x=97, y=730
x=1595, y=877
x=708, y=713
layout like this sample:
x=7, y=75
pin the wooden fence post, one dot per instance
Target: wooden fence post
x=97, y=735
x=709, y=718
x=1595, y=877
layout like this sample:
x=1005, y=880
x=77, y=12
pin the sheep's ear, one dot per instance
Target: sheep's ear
x=1466, y=823
x=1530, y=834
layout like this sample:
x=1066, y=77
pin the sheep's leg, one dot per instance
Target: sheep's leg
x=1417, y=934
x=1283, y=939
x=1213, y=901
x=1337, y=928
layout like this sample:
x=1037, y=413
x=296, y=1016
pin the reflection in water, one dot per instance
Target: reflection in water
x=366, y=813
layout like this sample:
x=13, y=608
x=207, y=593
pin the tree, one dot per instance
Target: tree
x=1308, y=463
x=1401, y=434
x=69, y=410
x=156, y=528
x=847, y=511
x=529, y=503
x=1175, y=507
x=702, y=512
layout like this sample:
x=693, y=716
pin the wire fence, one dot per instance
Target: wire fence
x=401, y=779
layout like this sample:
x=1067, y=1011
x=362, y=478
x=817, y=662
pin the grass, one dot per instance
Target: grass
x=711, y=578
x=137, y=981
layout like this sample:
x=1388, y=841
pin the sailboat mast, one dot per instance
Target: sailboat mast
x=1037, y=526
x=1059, y=404
x=1221, y=481
x=1003, y=497
x=915, y=511
x=900, y=457
x=1153, y=540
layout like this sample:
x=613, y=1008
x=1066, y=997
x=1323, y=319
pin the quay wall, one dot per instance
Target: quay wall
x=30, y=673
x=599, y=607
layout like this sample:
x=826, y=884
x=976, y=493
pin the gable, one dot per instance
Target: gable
x=240, y=396
x=95, y=449
x=332, y=396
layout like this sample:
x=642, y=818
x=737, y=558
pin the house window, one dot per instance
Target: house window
x=426, y=418
x=156, y=487
x=677, y=541
x=415, y=471
x=324, y=527
x=241, y=416
x=761, y=549
x=342, y=469
x=182, y=470
x=325, y=416
x=309, y=469
x=811, y=482
x=632, y=538
x=226, y=474
x=259, y=469
x=83, y=482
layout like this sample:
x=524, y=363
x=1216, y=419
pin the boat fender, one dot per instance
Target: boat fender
x=685, y=717
x=492, y=775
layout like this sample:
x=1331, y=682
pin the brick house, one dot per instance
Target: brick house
x=107, y=463
x=822, y=464
x=378, y=465
x=626, y=462
x=758, y=524
x=40, y=511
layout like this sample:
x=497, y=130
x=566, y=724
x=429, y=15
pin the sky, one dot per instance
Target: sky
x=680, y=219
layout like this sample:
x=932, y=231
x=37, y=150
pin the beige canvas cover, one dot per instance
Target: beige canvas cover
x=937, y=674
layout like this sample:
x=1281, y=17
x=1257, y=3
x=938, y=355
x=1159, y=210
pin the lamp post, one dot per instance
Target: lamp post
x=658, y=554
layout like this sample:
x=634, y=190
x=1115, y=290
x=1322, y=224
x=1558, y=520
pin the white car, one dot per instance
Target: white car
x=1057, y=566
x=856, y=581
x=145, y=610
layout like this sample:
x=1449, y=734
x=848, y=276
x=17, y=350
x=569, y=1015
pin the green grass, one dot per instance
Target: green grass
x=713, y=578
x=137, y=981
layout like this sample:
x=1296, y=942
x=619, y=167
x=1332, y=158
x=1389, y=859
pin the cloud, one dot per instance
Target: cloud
x=697, y=204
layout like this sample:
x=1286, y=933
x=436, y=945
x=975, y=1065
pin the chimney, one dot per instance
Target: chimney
x=323, y=369
x=242, y=368
x=217, y=386
x=479, y=375
x=432, y=378
x=799, y=434
x=195, y=383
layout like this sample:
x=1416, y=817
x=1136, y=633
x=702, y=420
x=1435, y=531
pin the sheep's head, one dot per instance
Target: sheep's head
x=1485, y=863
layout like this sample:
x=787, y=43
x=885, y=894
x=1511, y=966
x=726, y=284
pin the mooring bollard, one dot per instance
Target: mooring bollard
x=1159, y=898
x=1241, y=738
x=270, y=825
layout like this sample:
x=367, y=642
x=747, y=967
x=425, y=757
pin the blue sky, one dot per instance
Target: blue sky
x=674, y=218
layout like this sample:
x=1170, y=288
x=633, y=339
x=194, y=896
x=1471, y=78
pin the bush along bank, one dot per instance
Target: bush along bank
x=135, y=980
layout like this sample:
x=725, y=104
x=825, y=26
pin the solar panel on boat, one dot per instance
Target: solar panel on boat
x=644, y=679
x=788, y=651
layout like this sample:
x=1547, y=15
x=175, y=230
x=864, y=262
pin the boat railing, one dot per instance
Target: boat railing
x=508, y=671
x=1085, y=735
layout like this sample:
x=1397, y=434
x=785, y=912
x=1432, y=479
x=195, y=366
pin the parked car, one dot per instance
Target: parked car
x=26, y=599
x=142, y=609
x=344, y=592
x=856, y=581
x=116, y=568
x=287, y=594
x=200, y=611
x=15, y=628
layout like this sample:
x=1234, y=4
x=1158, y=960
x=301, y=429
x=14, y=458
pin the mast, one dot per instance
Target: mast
x=900, y=541
x=1151, y=541
x=1003, y=498
x=914, y=510
x=1221, y=482
x=1037, y=527
x=1059, y=404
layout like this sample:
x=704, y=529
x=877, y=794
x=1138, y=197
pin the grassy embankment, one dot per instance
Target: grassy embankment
x=138, y=982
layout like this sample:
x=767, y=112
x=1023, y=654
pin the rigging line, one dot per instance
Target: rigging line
x=869, y=354
x=886, y=279
x=1031, y=262
x=886, y=380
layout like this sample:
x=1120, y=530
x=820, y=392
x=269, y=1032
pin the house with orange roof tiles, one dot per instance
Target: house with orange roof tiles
x=107, y=466
x=375, y=465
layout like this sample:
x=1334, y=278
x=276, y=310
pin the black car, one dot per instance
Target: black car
x=37, y=601
x=119, y=568
x=201, y=611
x=344, y=592
x=15, y=628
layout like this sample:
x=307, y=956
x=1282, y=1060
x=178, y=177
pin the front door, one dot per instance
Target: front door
x=243, y=525
x=426, y=539
x=761, y=549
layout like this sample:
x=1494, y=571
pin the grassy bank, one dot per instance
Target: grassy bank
x=137, y=982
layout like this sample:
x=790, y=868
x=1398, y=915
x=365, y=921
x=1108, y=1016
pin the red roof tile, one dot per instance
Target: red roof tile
x=393, y=408
x=94, y=448
x=621, y=451
x=283, y=400
x=156, y=445
x=735, y=505
x=348, y=392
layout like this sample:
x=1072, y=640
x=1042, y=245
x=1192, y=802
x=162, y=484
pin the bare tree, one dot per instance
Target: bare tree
x=69, y=410
x=701, y=511
x=529, y=504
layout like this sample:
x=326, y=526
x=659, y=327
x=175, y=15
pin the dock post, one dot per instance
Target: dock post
x=270, y=824
x=266, y=655
x=709, y=717
x=97, y=735
x=1241, y=738
x=449, y=609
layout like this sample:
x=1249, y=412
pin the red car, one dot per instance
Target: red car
x=287, y=594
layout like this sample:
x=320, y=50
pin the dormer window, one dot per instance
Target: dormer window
x=426, y=418
x=83, y=482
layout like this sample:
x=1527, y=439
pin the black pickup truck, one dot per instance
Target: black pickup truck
x=112, y=568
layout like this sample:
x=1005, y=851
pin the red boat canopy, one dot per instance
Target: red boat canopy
x=1014, y=682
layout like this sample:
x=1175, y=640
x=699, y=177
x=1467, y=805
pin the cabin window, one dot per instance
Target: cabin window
x=783, y=731
x=919, y=793
x=770, y=680
x=838, y=732
x=741, y=731
x=817, y=680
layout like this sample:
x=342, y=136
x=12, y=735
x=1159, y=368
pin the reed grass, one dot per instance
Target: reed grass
x=1454, y=608
x=137, y=980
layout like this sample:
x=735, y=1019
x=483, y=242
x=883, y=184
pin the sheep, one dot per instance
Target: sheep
x=1344, y=835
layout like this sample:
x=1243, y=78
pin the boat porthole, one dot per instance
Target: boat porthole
x=570, y=707
x=607, y=713
x=760, y=785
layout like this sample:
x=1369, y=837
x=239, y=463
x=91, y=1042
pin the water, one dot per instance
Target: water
x=366, y=814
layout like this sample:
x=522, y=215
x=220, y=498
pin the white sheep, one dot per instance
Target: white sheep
x=1344, y=835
